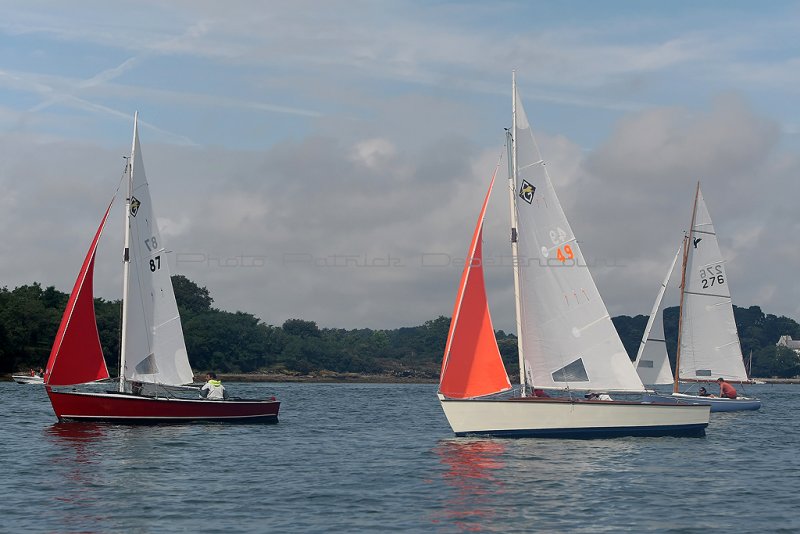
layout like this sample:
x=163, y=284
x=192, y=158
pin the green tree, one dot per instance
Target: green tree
x=189, y=296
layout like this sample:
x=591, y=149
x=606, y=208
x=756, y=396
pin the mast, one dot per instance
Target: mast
x=687, y=241
x=512, y=188
x=126, y=259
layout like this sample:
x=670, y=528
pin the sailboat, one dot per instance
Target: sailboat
x=708, y=342
x=652, y=362
x=154, y=365
x=566, y=340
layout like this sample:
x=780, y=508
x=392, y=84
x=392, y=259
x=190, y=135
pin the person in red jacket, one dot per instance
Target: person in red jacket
x=726, y=390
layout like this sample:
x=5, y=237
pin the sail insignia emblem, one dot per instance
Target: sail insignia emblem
x=696, y=240
x=135, y=206
x=526, y=191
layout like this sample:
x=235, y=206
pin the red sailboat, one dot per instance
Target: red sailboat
x=155, y=374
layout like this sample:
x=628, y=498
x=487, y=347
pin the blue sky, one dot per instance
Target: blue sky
x=369, y=129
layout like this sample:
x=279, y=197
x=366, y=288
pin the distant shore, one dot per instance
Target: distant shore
x=322, y=377
x=331, y=377
x=358, y=378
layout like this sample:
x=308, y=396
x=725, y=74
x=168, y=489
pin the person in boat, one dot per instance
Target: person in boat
x=726, y=390
x=598, y=396
x=703, y=393
x=213, y=388
x=540, y=393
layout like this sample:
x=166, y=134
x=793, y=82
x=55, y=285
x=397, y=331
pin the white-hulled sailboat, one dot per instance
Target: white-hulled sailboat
x=153, y=360
x=566, y=339
x=708, y=341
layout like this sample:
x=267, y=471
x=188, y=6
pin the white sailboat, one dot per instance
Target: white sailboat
x=708, y=341
x=652, y=362
x=566, y=339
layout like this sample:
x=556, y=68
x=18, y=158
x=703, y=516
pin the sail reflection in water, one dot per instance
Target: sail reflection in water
x=472, y=467
x=81, y=443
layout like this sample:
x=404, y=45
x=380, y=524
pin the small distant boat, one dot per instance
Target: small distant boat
x=153, y=358
x=566, y=339
x=708, y=341
x=27, y=379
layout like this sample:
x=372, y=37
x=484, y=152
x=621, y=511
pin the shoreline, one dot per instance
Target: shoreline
x=323, y=377
x=328, y=377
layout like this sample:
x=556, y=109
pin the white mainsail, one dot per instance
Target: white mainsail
x=567, y=336
x=652, y=361
x=709, y=341
x=153, y=343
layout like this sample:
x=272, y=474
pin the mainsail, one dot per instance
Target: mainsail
x=568, y=339
x=472, y=365
x=709, y=341
x=77, y=356
x=154, y=348
x=652, y=361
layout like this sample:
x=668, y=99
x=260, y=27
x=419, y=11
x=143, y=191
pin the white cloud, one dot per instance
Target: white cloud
x=360, y=137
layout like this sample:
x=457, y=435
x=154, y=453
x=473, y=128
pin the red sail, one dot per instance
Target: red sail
x=472, y=365
x=77, y=356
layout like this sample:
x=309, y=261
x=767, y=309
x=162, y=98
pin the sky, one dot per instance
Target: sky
x=326, y=160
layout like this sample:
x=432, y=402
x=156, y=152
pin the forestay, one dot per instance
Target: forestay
x=154, y=346
x=568, y=339
x=709, y=340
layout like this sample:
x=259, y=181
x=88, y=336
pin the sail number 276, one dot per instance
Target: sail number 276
x=711, y=276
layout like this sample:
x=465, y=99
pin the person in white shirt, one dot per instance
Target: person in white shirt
x=213, y=388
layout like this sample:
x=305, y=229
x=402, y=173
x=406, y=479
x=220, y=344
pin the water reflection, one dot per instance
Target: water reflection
x=78, y=438
x=80, y=466
x=474, y=474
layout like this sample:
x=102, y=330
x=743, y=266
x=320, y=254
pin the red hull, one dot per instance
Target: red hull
x=127, y=408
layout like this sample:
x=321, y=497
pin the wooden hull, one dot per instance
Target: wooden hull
x=717, y=404
x=570, y=418
x=127, y=408
x=27, y=379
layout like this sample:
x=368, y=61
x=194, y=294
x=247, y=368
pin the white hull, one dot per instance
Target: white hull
x=540, y=417
x=27, y=379
x=717, y=404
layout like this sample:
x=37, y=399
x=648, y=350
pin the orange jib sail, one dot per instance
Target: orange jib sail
x=472, y=366
x=77, y=356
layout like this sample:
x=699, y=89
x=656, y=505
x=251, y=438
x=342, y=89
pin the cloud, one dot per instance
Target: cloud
x=327, y=161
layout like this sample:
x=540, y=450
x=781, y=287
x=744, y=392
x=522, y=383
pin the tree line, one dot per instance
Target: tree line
x=237, y=342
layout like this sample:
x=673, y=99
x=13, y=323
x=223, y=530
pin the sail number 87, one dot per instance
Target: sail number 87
x=155, y=264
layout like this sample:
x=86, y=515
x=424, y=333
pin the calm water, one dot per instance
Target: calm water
x=375, y=458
